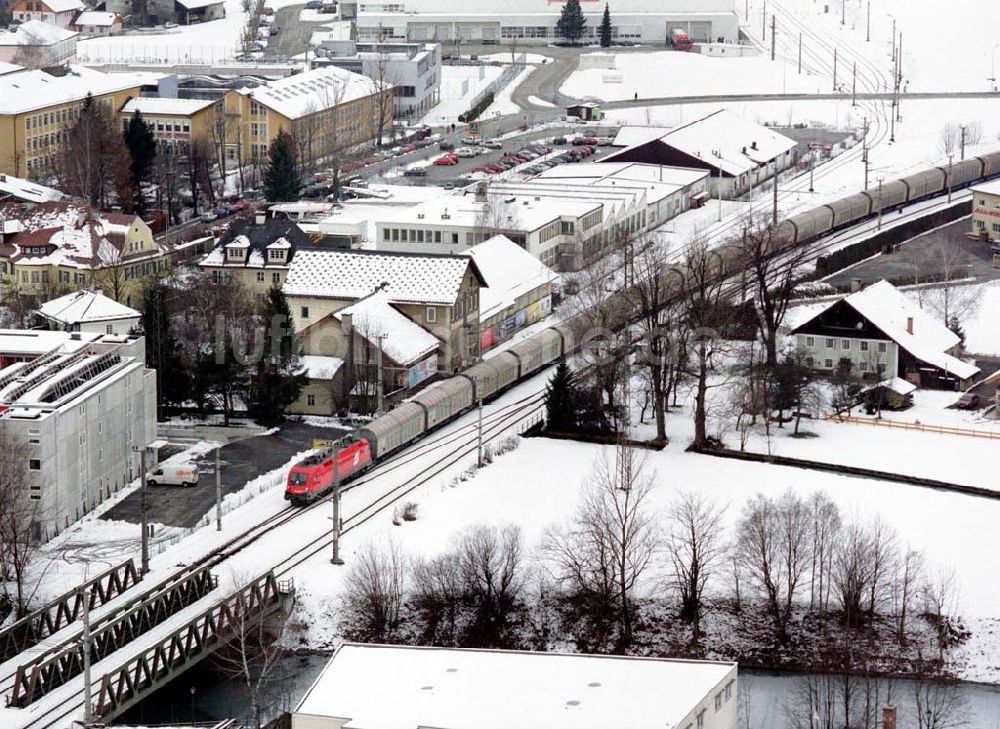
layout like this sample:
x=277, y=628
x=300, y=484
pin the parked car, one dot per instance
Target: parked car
x=470, y=140
x=968, y=401
x=465, y=152
x=446, y=146
x=268, y=11
x=447, y=159
x=605, y=141
x=273, y=30
x=495, y=168
x=222, y=209
x=208, y=216
x=586, y=151
x=415, y=172
x=180, y=474
x=407, y=148
x=314, y=5
x=493, y=144
x=559, y=140
x=584, y=140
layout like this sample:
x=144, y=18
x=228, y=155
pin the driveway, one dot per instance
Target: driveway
x=293, y=35
x=240, y=462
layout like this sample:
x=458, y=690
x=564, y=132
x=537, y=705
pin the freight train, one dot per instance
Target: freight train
x=314, y=476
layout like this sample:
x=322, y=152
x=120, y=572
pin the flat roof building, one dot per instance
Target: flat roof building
x=986, y=213
x=391, y=687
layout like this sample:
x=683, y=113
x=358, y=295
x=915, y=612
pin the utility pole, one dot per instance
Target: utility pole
x=746, y=11
x=950, y=156
x=834, y=69
x=144, y=568
x=868, y=24
x=479, y=436
x=854, y=84
x=88, y=699
x=864, y=155
x=962, y=127
x=772, y=36
x=763, y=23
x=774, y=204
x=380, y=386
x=843, y=12
x=335, y=556
x=720, y=194
x=899, y=78
x=800, y=54
x=812, y=164
x=218, y=492
x=879, y=226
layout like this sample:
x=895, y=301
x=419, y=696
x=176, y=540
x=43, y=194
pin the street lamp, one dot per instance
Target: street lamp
x=993, y=68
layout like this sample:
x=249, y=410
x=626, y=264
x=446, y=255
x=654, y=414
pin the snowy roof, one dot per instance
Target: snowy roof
x=156, y=105
x=36, y=33
x=510, y=272
x=29, y=90
x=988, y=188
x=409, y=277
x=245, y=233
x=63, y=6
x=492, y=689
x=6, y=68
x=93, y=17
x=726, y=141
x=319, y=367
x=306, y=93
x=81, y=307
x=625, y=171
x=631, y=136
x=889, y=310
x=898, y=385
x=26, y=190
x=404, y=341
x=38, y=341
x=195, y=4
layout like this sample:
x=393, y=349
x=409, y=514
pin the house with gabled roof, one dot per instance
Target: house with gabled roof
x=89, y=311
x=882, y=334
x=257, y=254
x=56, y=247
x=54, y=12
x=439, y=292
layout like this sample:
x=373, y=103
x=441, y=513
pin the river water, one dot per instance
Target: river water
x=767, y=700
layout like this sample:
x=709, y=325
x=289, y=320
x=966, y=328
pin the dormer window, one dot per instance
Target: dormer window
x=276, y=254
x=235, y=254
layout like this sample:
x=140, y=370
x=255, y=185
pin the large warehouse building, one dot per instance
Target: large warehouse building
x=534, y=21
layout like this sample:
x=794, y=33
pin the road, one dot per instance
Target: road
x=241, y=462
x=293, y=34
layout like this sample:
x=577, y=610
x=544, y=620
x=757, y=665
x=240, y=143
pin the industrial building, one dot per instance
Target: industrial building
x=84, y=404
x=397, y=687
x=738, y=154
x=532, y=21
x=986, y=212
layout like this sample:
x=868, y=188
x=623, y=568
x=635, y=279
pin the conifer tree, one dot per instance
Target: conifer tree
x=142, y=148
x=162, y=348
x=560, y=399
x=571, y=24
x=605, y=30
x=278, y=378
x=281, y=178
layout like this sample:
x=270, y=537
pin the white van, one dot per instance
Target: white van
x=178, y=474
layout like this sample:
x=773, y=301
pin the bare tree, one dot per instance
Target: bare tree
x=940, y=598
x=909, y=575
x=111, y=272
x=19, y=523
x=973, y=133
x=826, y=527
x=695, y=544
x=770, y=279
x=381, y=71
x=438, y=592
x=490, y=562
x=852, y=573
x=610, y=543
x=93, y=154
x=949, y=137
x=253, y=656
x=774, y=547
x=373, y=591
x=949, y=299
x=938, y=703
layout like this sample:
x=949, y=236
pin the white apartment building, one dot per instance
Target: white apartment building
x=390, y=687
x=531, y=21
x=413, y=69
x=81, y=402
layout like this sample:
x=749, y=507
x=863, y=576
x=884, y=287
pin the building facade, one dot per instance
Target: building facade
x=413, y=69
x=176, y=123
x=98, y=24
x=986, y=213
x=81, y=417
x=37, y=44
x=55, y=12
x=258, y=254
x=531, y=21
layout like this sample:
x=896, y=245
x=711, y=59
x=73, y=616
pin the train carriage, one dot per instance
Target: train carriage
x=926, y=182
x=444, y=400
x=963, y=172
x=811, y=224
x=850, y=209
x=484, y=378
x=396, y=428
x=991, y=164
x=538, y=351
x=891, y=194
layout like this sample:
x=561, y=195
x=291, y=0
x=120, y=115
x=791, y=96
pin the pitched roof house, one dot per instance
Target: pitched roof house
x=883, y=334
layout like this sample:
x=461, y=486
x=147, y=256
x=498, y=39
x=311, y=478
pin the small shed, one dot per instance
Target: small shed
x=587, y=111
x=895, y=393
x=89, y=311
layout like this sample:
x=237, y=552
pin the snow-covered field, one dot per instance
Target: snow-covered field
x=459, y=87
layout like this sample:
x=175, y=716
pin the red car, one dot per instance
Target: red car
x=584, y=140
x=409, y=148
x=313, y=476
x=351, y=167
x=494, y=168
x=447, y=159
x=587, y=151
x=968, y=401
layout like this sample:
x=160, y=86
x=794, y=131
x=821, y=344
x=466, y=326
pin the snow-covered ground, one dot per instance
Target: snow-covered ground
x=502, y=103
x=459, y=87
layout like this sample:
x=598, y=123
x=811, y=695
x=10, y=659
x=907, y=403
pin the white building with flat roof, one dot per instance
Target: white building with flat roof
x=396, y=687
x=81, y=403
x=534, y=21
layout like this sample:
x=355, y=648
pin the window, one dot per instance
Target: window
x=845, y=343
x=276, y=277
x=260, y=277
x=304, y=312
x=881, y=346
x=311, y=400
x=829, y=344
x=718, y=701
x=828, y=364
x=701, y=720
x=810, y=362
x=810, y=341
x=996, y=227
x=276, y=254
x=863, y=345
x=109, y=329
x=34, y=464
x=864, y=366
x=431, y=314
x=729, y=690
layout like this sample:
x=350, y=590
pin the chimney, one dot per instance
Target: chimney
x=855, y=285
x=753, y=145
x=889, y=717
x=909, y=325
x=481, y=192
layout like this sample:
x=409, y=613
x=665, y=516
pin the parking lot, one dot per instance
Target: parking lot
x=241, y=462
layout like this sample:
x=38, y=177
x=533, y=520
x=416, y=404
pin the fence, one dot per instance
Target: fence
x=942, y=429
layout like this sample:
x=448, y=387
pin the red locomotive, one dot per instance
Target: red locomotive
x=314, y=476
